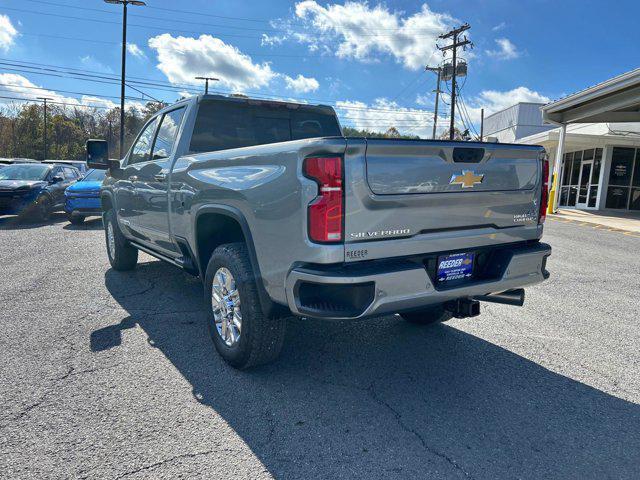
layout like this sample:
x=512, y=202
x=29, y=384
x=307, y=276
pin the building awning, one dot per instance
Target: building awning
x=616, y=100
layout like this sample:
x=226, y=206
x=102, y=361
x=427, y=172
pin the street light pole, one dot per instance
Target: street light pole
x=44, y=133
x=206, y=82
x=125, y=4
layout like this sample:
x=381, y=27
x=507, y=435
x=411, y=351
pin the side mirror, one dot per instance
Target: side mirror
x=98, y=155
x=57, y=179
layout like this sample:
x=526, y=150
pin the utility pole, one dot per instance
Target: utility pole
x=437, y=91
x=454, y=35
x=125, y=4
x=206, y=82
x=110, y=132
x=481, y=124
x=44, y=134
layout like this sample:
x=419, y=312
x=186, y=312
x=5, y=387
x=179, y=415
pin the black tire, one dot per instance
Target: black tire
x=41, y=209
x=124, y=256
x=261, y=336
x=75, y=219
x=428, y=315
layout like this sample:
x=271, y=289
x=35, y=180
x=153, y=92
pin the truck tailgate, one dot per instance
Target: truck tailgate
x=399, y=188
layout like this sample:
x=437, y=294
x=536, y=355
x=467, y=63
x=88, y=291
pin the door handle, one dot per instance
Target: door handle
x=160, y=177
x=133, y=178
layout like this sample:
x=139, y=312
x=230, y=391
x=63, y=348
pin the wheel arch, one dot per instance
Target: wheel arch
x=208, y=221
x=106, y=201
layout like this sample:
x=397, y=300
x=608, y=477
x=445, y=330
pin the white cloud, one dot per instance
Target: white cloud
x=383, y=114
x=301, y=84
x=20, y=87
x=7, y=33
x=135, y=50
x=182, y=59
x=364, y=32
x=498, y=27
x=93, y=64
x=506, y=50
x=272, y=40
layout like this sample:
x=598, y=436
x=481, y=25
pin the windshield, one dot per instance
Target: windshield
x=24, y=172
x=94, y=176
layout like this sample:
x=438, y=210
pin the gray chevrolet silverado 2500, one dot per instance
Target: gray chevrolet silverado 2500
x=278, y=213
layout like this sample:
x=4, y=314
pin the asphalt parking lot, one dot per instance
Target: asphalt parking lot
x=112, y=375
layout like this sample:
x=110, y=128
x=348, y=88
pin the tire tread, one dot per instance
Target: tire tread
x=266, y=334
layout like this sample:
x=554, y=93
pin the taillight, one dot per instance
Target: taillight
x=544, y=200
x=325, y=212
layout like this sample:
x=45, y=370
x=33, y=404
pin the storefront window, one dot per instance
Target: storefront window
x=635, y=199
x=593, y=195
x=597, y=163
x=621, y=166
x=636, y=170
x=624, y=174
x=566, y=171
x=580, y=175
x=575, y=170
x=617, y=197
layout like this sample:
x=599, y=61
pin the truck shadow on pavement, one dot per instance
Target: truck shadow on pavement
x=91, y=223
x=382, y=398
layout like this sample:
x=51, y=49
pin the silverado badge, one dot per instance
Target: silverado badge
x=468, y=179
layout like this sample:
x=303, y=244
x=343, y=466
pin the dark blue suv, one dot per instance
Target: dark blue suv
x=34, y=190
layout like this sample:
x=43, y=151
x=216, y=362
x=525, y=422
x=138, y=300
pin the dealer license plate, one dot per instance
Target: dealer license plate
x=457, y=266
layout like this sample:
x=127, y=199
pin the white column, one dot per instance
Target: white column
x=558, y=163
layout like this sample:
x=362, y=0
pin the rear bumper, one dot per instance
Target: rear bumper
x=382, y=287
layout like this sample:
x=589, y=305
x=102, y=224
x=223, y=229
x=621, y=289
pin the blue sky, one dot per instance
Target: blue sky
x=365, y=58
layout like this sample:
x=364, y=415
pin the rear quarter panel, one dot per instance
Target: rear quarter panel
x=266, y=186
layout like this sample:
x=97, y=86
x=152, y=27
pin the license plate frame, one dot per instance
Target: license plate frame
x=455, y=267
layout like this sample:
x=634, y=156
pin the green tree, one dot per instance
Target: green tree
x=389, y=133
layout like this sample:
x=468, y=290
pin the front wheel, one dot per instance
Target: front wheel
x=428, y=315
x=42, y=209
x=122, y=255
x=242, y=334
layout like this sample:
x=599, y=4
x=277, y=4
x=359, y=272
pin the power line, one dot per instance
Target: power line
x=56, y=91
x=177, y=88
x=19, y=99
x=466, y=112
x=200, y=14
x=164, y=29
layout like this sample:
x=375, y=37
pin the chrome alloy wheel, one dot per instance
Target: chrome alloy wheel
x=225, y=300
x=111, y=239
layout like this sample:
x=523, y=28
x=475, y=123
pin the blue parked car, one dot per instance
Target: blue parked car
x=83, y=197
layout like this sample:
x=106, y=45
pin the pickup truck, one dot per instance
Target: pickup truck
x=278, y=213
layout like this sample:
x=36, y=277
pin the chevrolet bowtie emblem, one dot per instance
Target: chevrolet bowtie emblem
x=468, y=179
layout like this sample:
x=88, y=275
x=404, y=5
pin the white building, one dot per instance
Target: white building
x=518, y=121
x=601, y=161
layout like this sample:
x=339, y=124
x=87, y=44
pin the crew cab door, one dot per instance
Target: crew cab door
x=147, y=215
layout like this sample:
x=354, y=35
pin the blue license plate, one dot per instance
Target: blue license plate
x=458, y=266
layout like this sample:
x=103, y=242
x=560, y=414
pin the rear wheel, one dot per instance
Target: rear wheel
x=428, y=315
x=122, y=255
x=242, y=334
x=75, y=218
